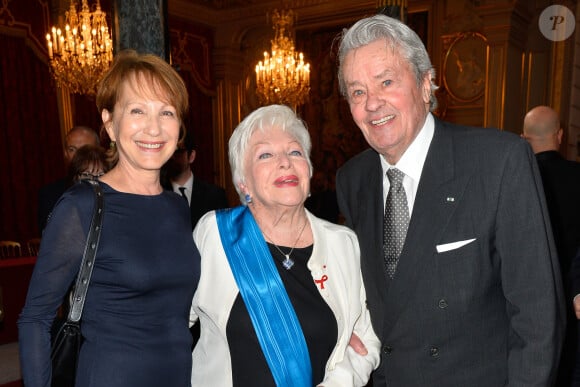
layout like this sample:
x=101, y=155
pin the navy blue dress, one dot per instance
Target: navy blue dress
x=136, y=314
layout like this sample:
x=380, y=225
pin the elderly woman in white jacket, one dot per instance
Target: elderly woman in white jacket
x=280, y=292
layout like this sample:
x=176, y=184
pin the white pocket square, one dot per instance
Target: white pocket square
x=453, y=245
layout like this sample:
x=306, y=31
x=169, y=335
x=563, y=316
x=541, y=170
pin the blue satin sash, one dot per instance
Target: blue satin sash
x=274, y=319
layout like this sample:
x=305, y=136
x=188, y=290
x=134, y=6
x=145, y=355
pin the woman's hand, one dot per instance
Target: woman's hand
x=358, y=346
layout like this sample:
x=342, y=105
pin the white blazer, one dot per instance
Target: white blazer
x=335, y=255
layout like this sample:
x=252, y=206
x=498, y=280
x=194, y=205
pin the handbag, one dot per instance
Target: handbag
x=66, y=342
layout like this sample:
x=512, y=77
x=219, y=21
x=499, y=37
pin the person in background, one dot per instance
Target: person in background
x=49, y=194
x=136, y=312
x=575, y=281
x=457, y=257
x=280, y=291
x=201, y=196
x=322, y=201
x=561, y=181
x=560, y=177
x=89, y=162
x=575, y=291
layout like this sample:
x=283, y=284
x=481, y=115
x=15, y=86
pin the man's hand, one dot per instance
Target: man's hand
x=358, y=346
x=576, y=310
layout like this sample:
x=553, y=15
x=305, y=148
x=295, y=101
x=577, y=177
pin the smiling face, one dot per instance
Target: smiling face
x=144, y=126
x=275, y=169
x=385, y=101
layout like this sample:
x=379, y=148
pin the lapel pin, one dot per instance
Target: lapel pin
x=450, y=199
x=321, y=281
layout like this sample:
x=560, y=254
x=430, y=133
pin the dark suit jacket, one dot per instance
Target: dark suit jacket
x=205, y=197
x=561, y=179
x=489, y=313
x=575, y=274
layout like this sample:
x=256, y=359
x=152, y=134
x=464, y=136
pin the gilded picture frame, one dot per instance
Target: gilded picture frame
x=465, y=67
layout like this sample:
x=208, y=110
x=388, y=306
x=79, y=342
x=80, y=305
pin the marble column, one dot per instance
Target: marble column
x=141, y=25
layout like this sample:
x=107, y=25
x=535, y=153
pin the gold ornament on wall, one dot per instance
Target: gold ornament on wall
x=465, y=67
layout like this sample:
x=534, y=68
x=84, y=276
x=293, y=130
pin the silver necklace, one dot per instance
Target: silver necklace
x=288, y=262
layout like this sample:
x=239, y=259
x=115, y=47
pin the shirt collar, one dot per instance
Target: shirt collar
x=188, y=185
x=411, y=163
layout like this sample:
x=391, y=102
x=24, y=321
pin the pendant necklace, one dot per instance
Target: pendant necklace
x=288, y=262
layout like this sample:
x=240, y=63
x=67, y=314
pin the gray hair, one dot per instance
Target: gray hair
x=399, y=38
x=264, y=119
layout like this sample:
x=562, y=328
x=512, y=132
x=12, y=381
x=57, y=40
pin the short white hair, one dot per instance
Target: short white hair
x=264, y=119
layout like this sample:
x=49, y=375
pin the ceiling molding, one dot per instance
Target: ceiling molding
x=310, y=13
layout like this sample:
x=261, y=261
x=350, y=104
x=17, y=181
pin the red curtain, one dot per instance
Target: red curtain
x=85, y=113
x=31, y=153
x=30, y=144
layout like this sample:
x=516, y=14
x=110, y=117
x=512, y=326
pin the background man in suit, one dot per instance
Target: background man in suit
x=474, y=297
x=561, y=180
x=201, y=196
x=49, y=194
x=575, y=285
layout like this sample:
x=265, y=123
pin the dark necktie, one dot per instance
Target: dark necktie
x=182, y=190
x=396, y=220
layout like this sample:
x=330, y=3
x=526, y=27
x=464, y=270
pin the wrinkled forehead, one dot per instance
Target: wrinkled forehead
x=379, y=48
x=373, y=60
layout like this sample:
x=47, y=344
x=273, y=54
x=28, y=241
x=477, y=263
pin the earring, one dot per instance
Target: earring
x=112, y=145
x=248, y=198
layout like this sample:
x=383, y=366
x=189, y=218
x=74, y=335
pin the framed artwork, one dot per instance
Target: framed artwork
x=465, y=67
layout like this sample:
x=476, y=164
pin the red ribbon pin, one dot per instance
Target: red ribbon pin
x=321, y=281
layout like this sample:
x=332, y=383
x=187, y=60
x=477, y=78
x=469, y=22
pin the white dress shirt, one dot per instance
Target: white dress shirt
x=188, y=188
x=411, y=163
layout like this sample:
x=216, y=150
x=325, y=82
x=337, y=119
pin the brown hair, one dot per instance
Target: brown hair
x=86, y=159
x=162, y=78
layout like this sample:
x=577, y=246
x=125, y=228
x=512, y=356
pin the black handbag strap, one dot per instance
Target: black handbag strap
x=87, y=263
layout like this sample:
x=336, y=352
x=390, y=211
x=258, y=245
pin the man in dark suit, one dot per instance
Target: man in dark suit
x=201, y=196
x=575, y=291
x=470, y=293
x=49, y=194
x=561, y=180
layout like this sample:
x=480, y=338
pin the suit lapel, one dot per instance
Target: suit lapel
x=376, y=205
x=437, y=194
x=370, y=209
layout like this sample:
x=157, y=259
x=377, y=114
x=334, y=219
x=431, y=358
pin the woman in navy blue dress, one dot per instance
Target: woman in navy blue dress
x=136, y=313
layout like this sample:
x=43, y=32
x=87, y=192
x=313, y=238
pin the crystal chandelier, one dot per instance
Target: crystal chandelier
x=283, y=77
x=82, y=51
